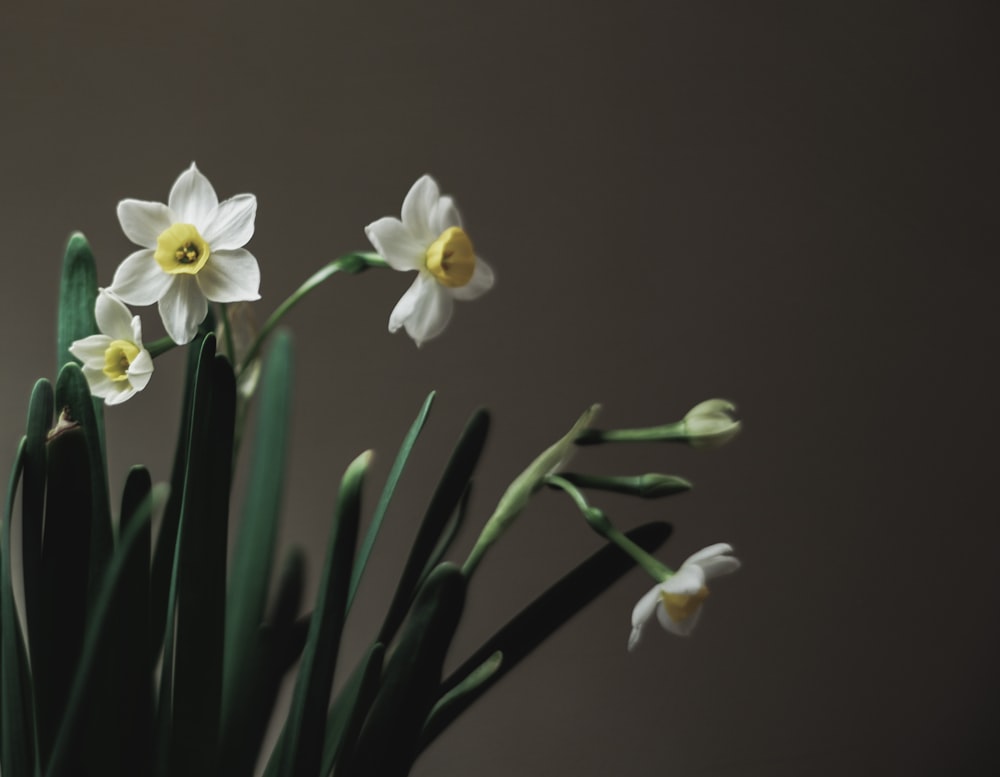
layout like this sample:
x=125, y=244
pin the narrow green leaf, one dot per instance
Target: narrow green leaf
x=17, y=736
x=448, y=534
x=62, y=590
x=383, y=503
x=99, y=628
x=536, y=622
x=33, y=500
x=201, y=582
x=256, y=689
x=77, y=296
x=452, y=485
x=161, y=575
x=411, y=681
x=73, y=393
x=302, y=749
x=254, y=552
x=120, y=720
x=470, y=684
x=350, y=708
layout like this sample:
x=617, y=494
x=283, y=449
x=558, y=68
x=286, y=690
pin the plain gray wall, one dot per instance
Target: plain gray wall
x=792, y=205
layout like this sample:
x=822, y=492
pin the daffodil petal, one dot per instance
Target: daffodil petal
x=719, y=565
x=418, y=206
x=113, y=318
x=140, y=370
x=641, y=614
x=231, y=225
x=182, y=308
x=680, y=628
x=192, y=198
x=480, y=283
x=121, y=393
x=137, y=331
x=444, y=215
x=431, y=315
x=90, y=350
x=100, y=384
x=689, y=580
x=711, y=551
x=395, y=243
x=139, y=279
x=143, y=222
x=230, y=276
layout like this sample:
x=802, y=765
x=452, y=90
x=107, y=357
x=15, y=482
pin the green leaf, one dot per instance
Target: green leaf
x=245, y=723
x=350, y=708
x=62, y=590
x=33, y=500
x=254, y=553
x=120, y=719
x=77, y=296
x=448, y=534
x=161, y=575
x=536, y=622
x=107, y=607
x=302, y=749
x=201, y=579
x=469, y=685
x=73, y=393
x=411, y=681
x=17, y=736
x=383, y=503
x=443, y=503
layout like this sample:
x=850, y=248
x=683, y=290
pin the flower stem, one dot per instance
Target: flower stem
x=161, y=346
x=599, y=522
x=227, y=332
x=351, y=263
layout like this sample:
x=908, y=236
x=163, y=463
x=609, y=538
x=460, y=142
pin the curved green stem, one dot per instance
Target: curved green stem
x=161, y=346
x=351, y=263
x=599, y=522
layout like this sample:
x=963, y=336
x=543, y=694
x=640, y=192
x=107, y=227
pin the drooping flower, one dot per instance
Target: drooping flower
x=430, y=240
x=114, y=362
x=710, y=424
x=677, y=600
x=192, y=253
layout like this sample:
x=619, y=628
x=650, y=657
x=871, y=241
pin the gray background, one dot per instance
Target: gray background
x=788, y=204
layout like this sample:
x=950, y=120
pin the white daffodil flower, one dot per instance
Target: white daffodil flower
x=677, y=600
x=192, y=253
x=114, y=362
x=430, y=240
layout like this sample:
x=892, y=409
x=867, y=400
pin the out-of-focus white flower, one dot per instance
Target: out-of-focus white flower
x=677, y=600
x=430, y=240
x=710, y=424
x=192, y=253
x=114, y=362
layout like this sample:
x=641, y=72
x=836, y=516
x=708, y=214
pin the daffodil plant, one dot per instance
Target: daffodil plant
x=162, y=653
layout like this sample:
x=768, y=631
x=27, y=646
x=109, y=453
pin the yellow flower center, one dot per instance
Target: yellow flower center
x=451, y=258
x=680, y=607
x=117, y=358
x=180, y=249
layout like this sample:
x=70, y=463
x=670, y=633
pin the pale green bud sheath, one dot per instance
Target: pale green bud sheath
x=709, y=424
x=350, y=263
x=652, y=485
x=519, y=492
x=600, y=523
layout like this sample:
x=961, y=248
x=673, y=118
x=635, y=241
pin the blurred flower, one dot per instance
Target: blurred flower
x=192, y=253
x=677, y=600
x=114, y=362
x=710, y=424
x=430, y=240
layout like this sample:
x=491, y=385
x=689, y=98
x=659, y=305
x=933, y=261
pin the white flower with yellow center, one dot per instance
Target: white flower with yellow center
x=114, y=362
x=677, y=600
x=430, y=240
x=192, y=253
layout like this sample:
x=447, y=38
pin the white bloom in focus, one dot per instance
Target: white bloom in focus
x=114, y=362
x=192, y=253
x=430, y=240
x=677, y=600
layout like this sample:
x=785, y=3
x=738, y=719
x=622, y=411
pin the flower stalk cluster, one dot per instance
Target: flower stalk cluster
x=134, y=652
